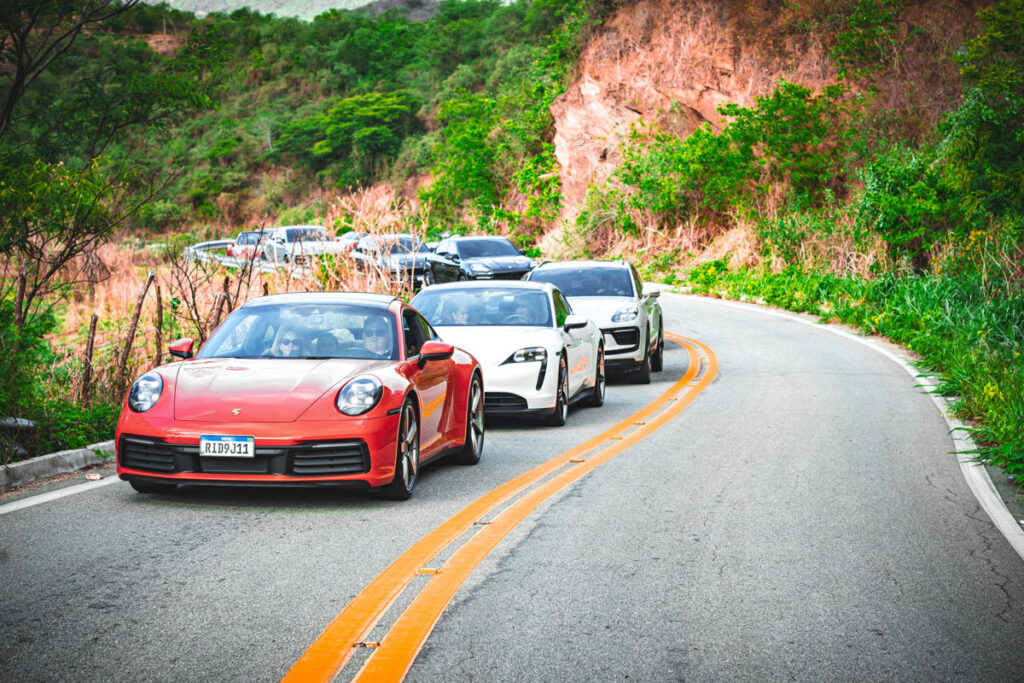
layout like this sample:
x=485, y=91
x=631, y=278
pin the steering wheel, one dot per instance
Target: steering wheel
x=515, y=318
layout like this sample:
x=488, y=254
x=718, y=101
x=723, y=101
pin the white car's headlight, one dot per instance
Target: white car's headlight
x=360, y=395
x=145, y=392
x=527, y=355
x=625, y=314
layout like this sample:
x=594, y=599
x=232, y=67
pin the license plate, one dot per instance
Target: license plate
x=227, y=446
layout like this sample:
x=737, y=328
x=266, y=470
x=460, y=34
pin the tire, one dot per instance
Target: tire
x=463, y=277
x=470, y=453
x=151, y=487
x=597, y=396
x=407, y=455
x=558, y=417
x=658, y=357
x=428, y=277
x=642, y=375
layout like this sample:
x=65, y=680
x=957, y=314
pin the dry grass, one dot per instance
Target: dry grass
x=191, y=292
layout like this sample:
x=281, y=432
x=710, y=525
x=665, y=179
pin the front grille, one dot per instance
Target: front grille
x=514, y=275
x=323, y=459
x=504, y=402
x=626, y=336
x=147, y=454
x=309, y=459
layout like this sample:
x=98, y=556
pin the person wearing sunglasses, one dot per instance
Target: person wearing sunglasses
x=289, y=344
x=377, y=337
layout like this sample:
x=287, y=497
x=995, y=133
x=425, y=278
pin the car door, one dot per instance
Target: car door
x=440, y=261
x=431, y=382
x=649, y=305
x=576, y=344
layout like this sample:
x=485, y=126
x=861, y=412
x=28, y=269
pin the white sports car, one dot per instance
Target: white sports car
x=612, y=294
x=537, y=356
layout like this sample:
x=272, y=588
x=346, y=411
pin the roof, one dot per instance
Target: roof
x=490, y=284
x=297, y=298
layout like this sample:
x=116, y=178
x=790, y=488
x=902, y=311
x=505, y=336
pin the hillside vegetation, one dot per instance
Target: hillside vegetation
x=837, y=199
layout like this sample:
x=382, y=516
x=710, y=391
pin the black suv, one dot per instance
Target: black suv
x=476, y=258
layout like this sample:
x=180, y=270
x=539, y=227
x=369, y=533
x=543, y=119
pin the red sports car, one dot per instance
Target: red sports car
x=304, y=389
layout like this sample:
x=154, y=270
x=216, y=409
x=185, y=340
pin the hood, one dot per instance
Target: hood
x=501, y=264
x=261, y=389
x=493, y=345
x=404, y=260
x=317, y=247
x=600, y=309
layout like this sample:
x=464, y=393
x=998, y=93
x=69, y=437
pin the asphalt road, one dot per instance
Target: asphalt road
x=802, y=519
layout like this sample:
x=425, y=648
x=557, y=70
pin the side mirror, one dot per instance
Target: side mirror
x=574, y=322
x=651, y=292
x=453, y=256
x=435, y=350
x=181, y=349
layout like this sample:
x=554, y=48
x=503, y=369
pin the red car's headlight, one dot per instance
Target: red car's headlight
x=145, y=392
x=360, y=395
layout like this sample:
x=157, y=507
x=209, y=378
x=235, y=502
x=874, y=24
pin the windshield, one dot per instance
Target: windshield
x=474, y=248
x=305, y=234
x=587, y=281
x=305, y=331
x=467, y=307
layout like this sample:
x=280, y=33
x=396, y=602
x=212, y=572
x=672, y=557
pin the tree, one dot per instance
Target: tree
x=35, y=33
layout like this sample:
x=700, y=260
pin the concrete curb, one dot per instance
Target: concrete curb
x=26, y=471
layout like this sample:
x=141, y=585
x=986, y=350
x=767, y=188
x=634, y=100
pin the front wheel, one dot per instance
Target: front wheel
x=597, y=397
x=470, y=453
x=561, y=412
x=407, y=456
x=642, y=375
x=428, y=277
x=658, y=357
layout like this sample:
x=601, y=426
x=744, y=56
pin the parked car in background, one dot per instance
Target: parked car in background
x=296, y=243
x=476, y=258
x=537, y=357
x=612, y=294
x=248, y=245
x=401, y=257
x=310, y=389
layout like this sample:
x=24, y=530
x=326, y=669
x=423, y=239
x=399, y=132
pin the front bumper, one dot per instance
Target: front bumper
x=623, y=347
x=518, y=388
x=352, y=452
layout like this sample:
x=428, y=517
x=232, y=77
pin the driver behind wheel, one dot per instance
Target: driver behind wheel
x=377, y=336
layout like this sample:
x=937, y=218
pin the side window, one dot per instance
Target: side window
x=417, y=331
x=426, y=330
x=562, y=309
x=637, y=282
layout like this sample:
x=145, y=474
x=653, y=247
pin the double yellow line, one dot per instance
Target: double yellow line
x=394, y=654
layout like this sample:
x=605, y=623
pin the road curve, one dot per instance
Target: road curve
x=803, y=518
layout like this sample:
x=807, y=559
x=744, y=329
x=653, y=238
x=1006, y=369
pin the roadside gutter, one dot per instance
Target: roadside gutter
x=27, y=471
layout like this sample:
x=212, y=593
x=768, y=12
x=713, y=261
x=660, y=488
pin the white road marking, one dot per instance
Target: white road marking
x=974, y=473
x=54, y=495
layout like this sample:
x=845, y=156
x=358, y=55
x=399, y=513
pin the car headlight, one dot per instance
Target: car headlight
x=625, y=314
x=395, y=261
x=479, y=268
x=360, y=395
x=145, y=392
x=527, y=355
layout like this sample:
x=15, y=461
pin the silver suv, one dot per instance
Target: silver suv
x=612, y=294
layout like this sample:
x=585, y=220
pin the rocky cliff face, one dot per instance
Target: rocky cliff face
x=653, y=53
